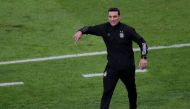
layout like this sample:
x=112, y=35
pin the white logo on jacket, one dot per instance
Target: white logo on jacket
x=121, y=34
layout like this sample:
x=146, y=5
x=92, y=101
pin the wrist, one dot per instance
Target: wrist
x=144, y=57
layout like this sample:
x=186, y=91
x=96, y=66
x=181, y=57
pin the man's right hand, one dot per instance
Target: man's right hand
x=77, y=36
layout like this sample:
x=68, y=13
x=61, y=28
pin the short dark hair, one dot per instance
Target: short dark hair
x=114, y=9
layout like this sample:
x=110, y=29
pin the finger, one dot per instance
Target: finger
x=76, y=38
x=143, y=65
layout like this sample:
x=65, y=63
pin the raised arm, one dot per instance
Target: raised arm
x=93, y=30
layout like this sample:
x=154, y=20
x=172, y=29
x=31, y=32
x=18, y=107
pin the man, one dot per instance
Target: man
x=118, y=39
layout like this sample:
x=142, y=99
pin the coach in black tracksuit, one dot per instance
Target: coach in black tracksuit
x=118, y=38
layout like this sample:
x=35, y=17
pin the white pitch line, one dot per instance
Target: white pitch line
x=86, y=54
x=53, y=58
x=101, y=74
x=11, y=83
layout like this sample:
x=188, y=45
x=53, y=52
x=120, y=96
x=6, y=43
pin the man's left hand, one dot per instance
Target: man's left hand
x=143, y=63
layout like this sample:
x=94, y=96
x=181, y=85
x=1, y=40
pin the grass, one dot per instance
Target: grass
x=39, y=28
x=45, y=28
x=60, y=85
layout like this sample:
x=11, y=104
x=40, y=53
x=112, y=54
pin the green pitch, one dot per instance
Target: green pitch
x=41, y=28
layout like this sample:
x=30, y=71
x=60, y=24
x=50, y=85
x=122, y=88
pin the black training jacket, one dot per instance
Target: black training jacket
x=118, y=40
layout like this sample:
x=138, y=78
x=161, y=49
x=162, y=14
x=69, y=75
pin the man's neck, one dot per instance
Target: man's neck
x=115, y=25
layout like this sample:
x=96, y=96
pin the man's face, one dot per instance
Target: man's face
x=113, y=18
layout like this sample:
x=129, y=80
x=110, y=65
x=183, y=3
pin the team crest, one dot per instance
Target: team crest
x=121, y=34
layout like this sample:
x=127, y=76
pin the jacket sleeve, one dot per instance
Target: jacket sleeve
x=141, y=42
x=93, y=30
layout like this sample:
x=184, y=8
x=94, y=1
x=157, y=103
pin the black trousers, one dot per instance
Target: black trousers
x=110, y=79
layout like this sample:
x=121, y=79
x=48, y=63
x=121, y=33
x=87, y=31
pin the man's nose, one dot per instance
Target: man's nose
x=112, y=18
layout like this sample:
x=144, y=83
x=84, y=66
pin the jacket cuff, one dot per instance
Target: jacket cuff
x=84, y=29
x=143, y=57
